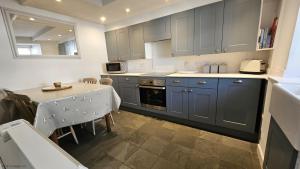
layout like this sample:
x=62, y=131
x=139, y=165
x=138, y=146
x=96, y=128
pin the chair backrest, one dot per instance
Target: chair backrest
x=106, y=81
x=90, y=80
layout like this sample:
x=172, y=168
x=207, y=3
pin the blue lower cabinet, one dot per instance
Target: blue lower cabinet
x=177, y=102
x=129, y=93
x=238, y=104
x=202, y=105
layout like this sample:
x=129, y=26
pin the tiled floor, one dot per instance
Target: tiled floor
x=140, y=142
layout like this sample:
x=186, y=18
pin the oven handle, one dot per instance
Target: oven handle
x=152, y=87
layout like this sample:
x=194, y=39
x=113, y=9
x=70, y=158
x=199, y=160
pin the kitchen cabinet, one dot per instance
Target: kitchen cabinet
x=158, y=29
x=280, y=154
x=177, y=102
x=129, y=91
x=202, y=105
x=123, y=47
x=194, y=99
x=241, y=19
x=208, y=29
x=115, y=82
x=182, y=30
x=238, y=102
x=111, y=45
x=137, y=44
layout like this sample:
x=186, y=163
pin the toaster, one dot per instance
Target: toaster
x=253, y=67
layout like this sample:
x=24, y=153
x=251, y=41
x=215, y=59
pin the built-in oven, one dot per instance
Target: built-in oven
x=153, y=93
x=116, y=67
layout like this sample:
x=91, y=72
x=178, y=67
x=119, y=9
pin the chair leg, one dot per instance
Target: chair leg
x=94, y=128
x=112, y=119
x=74, y=135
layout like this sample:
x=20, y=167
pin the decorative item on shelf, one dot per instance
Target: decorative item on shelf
x=267, y=35
x=57, y=84
x=222, y=68
x=214, y=68
x=206, y=68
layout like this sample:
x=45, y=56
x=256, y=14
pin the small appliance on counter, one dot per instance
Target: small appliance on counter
x=253, y=67
x=116, y=67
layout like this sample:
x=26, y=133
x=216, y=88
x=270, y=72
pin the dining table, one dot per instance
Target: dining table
x=79, y=104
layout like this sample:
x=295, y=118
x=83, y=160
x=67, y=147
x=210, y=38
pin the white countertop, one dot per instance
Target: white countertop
x=279, y=79
x=221, y=75
x=204, y=75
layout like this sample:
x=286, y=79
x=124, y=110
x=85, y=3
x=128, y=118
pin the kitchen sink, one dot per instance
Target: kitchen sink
x=285, y=109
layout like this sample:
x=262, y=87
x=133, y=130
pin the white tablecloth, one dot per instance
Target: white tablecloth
x=82, y=103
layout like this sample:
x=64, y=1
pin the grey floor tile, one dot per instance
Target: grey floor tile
x=138, y=138
x=165, y=164
x=106, y=162
x=122, y=151
x=244, y=145
x=200, y=161
x=185, y=140
x=141, y=160
x=176, y=154
x=211, y=136
x=207, y=148
x=155, y=145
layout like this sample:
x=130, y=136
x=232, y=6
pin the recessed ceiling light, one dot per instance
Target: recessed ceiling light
x=127, y=10
x=103, y=18
x=70, y=30
x=58, y=0
x=59, y=35
x=32, y=19
x=49, y=39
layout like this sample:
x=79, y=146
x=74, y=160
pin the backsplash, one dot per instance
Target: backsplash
x=159, y=59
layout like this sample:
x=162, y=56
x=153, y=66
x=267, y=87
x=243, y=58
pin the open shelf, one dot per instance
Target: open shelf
x=270, y=9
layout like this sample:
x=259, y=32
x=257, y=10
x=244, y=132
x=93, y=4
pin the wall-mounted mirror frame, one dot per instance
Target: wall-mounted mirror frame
x=12, y=38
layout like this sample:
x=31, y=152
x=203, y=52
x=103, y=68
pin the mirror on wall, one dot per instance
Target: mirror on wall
x=35, y=36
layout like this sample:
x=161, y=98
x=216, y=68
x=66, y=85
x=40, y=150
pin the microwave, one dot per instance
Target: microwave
x=116, y=67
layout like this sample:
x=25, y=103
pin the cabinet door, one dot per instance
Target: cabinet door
x=241, y=19
x=177, y=102
x=238, y=101
x=129, y=93
x=202, y=105
x=182, y=29
x=137, y=44
x=123, y=44
x=111, y=45
x=280, y=154
x=158, y=29
x=208, y=29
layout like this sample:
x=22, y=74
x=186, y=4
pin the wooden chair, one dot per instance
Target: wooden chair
x=104, y=81
x=90, y=80
x=61, y=134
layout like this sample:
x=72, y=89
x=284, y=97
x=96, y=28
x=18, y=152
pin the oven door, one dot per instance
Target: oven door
x=153, y=97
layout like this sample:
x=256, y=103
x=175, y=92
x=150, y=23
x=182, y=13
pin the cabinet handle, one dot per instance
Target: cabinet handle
x=176, y=81
x=202, y=82
x=190, y=90
x=184, y=90
x=238, y=81
x=127, y=78
x=217, y=50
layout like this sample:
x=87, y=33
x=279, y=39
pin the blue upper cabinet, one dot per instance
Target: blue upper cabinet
x=241, y=19
x=182, y=30
x=111, y=45
x=208, y=29
x=137, y=44
x=123, y=46
x=177, y=102
x=158, y=29
x=238, y=103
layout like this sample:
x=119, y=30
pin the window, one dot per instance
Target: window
x=29, y=49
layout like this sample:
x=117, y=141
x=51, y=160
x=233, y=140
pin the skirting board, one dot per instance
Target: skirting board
x=260, y=155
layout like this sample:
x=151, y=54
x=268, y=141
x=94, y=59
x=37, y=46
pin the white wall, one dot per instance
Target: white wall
x=27, y=73
x=162, y=61
x=278, y=60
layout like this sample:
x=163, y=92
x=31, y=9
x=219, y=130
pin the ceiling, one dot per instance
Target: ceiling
x=92, y=10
